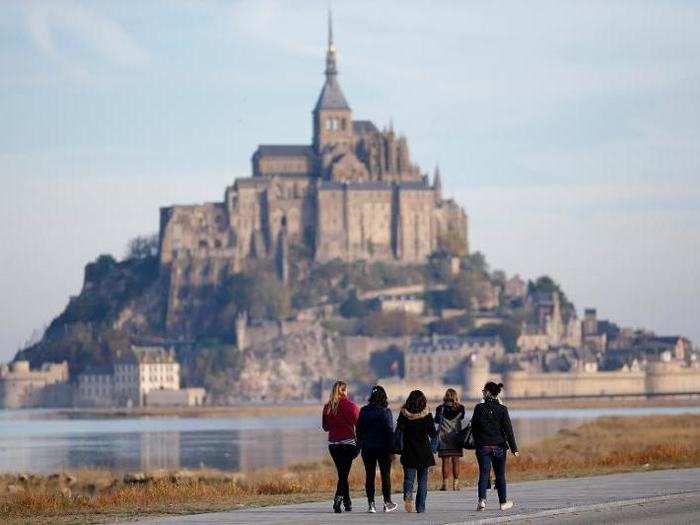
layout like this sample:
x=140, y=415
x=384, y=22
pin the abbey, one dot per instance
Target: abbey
x=353, y=193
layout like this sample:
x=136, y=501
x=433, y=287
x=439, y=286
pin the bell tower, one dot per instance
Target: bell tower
x=332, y=117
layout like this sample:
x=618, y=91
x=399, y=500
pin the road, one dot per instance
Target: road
x=664, y=496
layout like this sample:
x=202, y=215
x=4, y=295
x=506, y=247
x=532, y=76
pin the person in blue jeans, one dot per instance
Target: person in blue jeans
x=374, y=432
x=418, y=427
x=493, y=435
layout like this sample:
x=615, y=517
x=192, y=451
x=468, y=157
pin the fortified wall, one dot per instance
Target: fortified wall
x=658, y=378
x=22, y=387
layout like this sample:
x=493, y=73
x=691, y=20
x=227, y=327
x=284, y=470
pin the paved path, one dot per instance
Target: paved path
x=664, y=496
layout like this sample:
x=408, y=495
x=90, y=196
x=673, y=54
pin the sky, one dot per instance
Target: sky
x=569, y=131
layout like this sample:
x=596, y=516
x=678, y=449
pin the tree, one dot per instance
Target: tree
x=143, y=247
x=477, y=261
x=353, y=307
x=390, y=324
x=507, y=331
x=452, y=243
x=387, y=363
x=451, y=326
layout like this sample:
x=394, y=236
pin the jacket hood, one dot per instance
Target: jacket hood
x=412, y=416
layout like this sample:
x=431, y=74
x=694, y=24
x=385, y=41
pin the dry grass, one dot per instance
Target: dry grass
x=610, y=444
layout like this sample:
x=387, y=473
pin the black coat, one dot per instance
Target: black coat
x=491, y=425
x=417, y=430
x=374, y=428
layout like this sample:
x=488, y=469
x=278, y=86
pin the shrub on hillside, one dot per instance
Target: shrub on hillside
x=390, y=324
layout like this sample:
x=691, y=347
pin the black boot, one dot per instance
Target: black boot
x=347, y=504
x=336, y=504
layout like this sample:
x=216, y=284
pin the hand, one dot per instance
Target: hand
x=516, y=453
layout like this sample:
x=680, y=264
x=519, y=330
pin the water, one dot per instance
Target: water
x=43, y=441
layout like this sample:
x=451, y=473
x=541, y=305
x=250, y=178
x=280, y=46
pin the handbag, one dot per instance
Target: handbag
x=465, y=437
x=397, y=443
x=434, y=442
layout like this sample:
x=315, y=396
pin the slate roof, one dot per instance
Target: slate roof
x=362, y=127
x=98, y=370
x=284, y=150
x=413, y=185
x=331, y=96
x=450, y=342
x=330, y=185
x=370, y=185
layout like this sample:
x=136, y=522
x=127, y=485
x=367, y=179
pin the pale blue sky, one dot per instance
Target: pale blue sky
x=570, y=131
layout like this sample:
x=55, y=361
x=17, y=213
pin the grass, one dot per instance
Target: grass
x=605, y=445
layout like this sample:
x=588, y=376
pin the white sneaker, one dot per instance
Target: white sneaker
x=371, y=508
x=390, y=506
x=507, y=505
x=481, y=505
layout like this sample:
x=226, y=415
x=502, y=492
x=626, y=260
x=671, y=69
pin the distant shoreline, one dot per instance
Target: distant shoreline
x=310, y=408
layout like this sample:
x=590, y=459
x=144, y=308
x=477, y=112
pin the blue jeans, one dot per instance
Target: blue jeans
x=492, y=455
x=409, y=474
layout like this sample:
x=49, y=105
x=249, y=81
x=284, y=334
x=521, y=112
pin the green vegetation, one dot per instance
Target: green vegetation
x=507, y=331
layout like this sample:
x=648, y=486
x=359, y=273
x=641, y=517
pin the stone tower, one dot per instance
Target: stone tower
x=241, y=328
x=332, y=117
x=476, y=374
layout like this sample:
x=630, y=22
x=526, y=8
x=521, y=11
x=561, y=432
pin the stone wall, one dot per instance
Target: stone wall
x=659, y=378
x=21, y=387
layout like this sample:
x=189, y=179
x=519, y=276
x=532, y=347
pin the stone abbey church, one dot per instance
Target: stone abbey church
x=353, y=193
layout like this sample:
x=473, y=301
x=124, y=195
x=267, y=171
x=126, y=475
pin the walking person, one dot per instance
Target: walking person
x=375, y=438
x=339, y=419
x=448, y=418
x=417, y=427
x=493, y=435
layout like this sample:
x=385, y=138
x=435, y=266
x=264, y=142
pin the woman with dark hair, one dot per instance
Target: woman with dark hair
x=375, y=437
x=339, y=419
x=493, y=435
x=417, y=427
x=448, y=418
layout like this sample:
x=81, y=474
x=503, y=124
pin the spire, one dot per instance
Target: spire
x=437, y=181
x=331, y=66
x=331, y=96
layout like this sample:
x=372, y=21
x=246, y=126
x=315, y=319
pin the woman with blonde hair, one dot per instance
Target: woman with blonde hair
x=339, y=420
x=449, y=418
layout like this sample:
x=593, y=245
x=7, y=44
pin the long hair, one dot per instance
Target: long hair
x=451, y=397
x=378, y=397
x=340, y=390
x=416, y=402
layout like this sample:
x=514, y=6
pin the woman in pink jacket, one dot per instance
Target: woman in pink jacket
x=339, y=419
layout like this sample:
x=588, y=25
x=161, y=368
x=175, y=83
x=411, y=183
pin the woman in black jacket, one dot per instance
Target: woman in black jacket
x=375, y=437
x=418, y=427
x=493, y=435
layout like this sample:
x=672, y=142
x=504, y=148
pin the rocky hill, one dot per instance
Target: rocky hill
x=125, y=302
